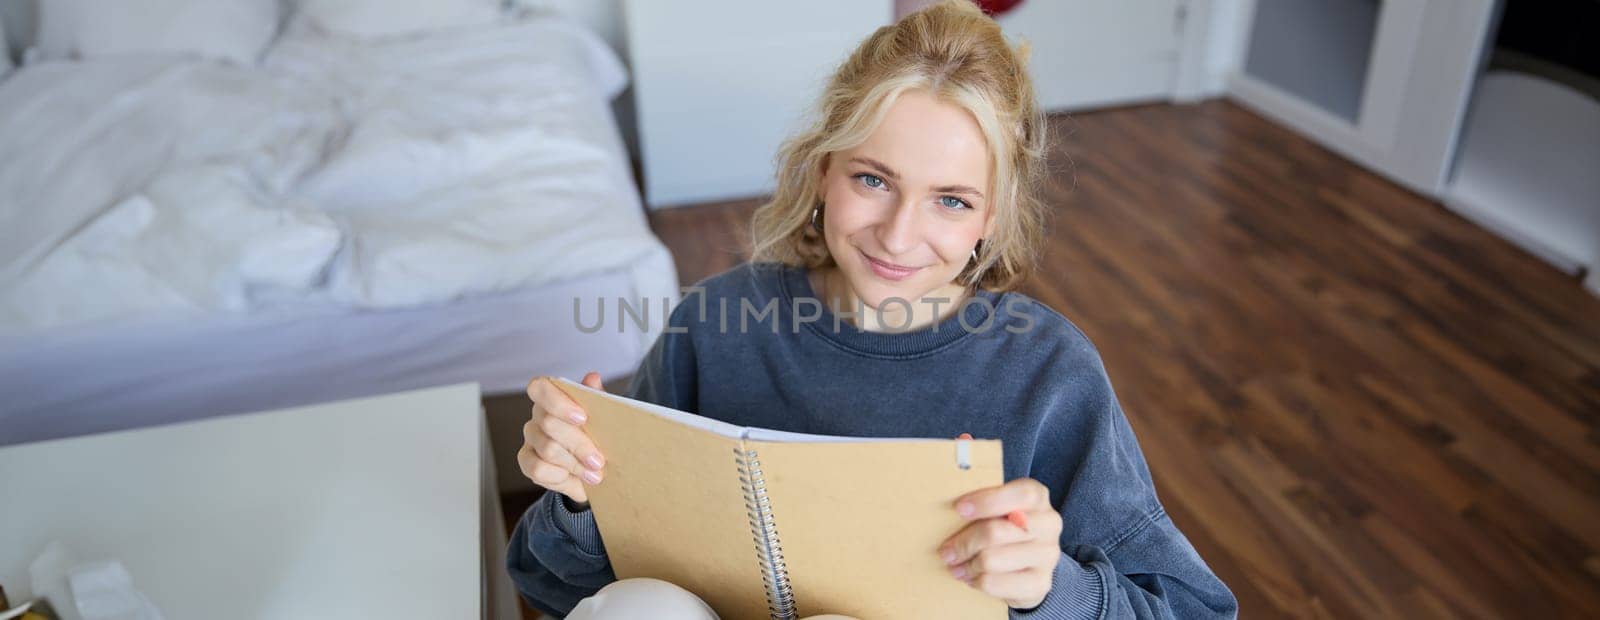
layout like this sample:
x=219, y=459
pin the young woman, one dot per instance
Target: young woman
x=908, y=210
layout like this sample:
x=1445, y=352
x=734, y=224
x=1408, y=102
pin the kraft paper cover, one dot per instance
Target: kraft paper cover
x=859, y=521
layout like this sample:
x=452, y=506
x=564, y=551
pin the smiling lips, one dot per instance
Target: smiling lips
x=889, y=271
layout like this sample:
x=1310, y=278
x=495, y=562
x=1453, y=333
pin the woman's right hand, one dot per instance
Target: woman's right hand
x=557, y=453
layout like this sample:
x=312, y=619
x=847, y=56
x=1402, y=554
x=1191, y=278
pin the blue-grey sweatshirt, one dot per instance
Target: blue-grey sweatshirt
x=753, y=346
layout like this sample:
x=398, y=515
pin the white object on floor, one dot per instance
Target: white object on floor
x=359, y=509
x=105, y=591
x=1529, y=167
x=47, y=577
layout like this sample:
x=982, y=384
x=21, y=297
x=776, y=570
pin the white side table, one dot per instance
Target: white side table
x=374, y=508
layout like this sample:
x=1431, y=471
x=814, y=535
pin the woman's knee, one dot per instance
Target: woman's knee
x=642, y=598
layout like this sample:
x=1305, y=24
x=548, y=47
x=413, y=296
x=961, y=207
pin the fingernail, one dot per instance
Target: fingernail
x=964, y=509
x=591, y=477
x=960, y=572
x=948, y=556
x=578, y=417
x=593, y=461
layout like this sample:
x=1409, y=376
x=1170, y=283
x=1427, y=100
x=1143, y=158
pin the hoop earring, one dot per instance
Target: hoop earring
x=814, y=211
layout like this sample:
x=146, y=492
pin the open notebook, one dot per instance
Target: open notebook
x=764, y=523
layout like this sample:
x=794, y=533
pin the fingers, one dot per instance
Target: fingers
x=1007, y=558
x=563, y=422
x=550, y=476
x=979, y=535
x=1029, y=585
x=573, y=440
x=556, y=452
x=542, y=472
x=1020, y=573
x=1025, y=494
x=547, y=448
x=547, y=396
x=998, y=556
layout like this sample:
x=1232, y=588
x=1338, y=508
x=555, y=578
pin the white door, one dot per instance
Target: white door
x=719, y=84
x=1090, y=53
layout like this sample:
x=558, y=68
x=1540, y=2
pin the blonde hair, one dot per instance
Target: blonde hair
x=957, y=54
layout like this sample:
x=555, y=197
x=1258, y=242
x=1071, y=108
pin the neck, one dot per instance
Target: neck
x=835, y=291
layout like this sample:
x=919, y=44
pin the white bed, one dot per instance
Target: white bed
x=182, y=237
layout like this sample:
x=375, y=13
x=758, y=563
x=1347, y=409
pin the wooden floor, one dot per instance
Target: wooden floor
x=1355, y=403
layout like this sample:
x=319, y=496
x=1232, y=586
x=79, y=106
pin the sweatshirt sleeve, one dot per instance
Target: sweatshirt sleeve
x=1122, y=556
x=556, y=556
x=1156, y=574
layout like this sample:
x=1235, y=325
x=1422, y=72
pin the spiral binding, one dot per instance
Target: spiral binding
x=774, y=574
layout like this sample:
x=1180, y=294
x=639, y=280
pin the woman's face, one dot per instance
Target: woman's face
x=904, y=209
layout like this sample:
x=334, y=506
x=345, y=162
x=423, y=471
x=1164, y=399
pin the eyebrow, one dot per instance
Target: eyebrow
x=889, y=172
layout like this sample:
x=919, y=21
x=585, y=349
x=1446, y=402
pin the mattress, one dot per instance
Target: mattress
x=79, y=382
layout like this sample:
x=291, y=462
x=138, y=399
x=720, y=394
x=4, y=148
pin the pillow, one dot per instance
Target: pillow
x=235, y=30
x=375, y=19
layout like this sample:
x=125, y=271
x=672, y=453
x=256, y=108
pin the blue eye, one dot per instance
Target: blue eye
x=952, y=202
x=870, y=180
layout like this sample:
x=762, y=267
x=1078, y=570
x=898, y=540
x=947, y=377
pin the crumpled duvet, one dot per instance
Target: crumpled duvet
x=363, y=174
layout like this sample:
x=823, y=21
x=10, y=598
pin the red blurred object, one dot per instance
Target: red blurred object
x=996, y=7
x=1019, y=519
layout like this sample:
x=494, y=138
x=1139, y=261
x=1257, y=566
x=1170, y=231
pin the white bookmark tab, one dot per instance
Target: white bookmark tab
x=964, y=454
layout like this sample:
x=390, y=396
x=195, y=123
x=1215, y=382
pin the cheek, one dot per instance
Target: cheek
x=954, y=244
x=848, y=211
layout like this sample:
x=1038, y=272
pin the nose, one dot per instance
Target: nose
x=899, y=234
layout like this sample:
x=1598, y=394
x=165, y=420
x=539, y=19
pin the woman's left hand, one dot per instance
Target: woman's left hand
x=996, y=556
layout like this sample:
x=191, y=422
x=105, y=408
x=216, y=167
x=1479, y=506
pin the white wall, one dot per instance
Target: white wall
x=721, y=83
x=1092, y=53
x=1086, y=53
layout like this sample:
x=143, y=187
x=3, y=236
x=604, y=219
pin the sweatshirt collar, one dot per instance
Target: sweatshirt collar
x=975, y=316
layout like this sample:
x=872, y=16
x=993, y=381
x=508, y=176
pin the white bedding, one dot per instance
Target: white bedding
x=339, y=173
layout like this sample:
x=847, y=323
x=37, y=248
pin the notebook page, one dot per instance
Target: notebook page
x=719, y=427
x=764, y=434
x=725, y=429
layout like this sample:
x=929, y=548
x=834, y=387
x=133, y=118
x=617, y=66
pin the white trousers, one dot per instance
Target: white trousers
x=642, y=598
x=651, y=599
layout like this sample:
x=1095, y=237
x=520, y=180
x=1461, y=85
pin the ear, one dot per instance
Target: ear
x=822, y=175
